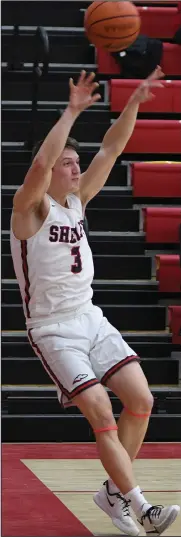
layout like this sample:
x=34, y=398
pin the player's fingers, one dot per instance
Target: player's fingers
x=157, y=73
x=90, y=78
x=150, y=97
x=161, y=73
x=94, y=86
x=153, y=74
x=81, y=77
x=155, y=84
x=71, y=83
x=95, y=98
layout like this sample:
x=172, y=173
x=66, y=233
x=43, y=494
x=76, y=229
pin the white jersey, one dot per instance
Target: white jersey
x=54, y=268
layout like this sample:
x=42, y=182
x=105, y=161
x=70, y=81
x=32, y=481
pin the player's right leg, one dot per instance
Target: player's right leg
x=71, y=370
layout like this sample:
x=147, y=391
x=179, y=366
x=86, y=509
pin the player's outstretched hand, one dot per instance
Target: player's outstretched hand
x=144, y=91
x=82, y=94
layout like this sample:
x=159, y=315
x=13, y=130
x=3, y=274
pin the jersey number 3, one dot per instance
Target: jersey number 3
x=77, y=266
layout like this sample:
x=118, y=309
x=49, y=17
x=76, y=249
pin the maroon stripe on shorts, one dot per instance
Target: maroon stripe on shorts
x=84, y=386
x=118, y=366
x=25, y=272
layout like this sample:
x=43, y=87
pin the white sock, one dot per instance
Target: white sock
x=138, y=502
x=112, y=487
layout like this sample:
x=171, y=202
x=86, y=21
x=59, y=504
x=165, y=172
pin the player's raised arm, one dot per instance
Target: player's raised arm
x=38, y=177
x=116, y=139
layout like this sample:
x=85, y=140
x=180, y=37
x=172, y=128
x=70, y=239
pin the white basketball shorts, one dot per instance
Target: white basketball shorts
x=80, y=352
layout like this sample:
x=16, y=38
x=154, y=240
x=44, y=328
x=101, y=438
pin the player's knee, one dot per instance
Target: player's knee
x=143, y=403
x=101, y=414
x=97, y=408
x=140, y=403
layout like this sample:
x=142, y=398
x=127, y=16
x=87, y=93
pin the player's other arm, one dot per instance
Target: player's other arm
x=116, y=139
x=38, y=177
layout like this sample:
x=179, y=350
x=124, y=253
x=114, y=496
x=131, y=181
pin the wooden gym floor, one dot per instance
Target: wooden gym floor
x=47, y=488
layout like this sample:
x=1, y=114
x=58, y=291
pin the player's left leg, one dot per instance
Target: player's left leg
x=116, y=365
x=131, y=387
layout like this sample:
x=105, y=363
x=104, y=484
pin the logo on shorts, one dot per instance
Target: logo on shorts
x=79, y=378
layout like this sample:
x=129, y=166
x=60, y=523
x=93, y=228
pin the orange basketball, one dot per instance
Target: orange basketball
x=112, y=25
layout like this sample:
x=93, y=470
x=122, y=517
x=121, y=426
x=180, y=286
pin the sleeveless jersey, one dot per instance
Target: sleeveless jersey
x=54, y=268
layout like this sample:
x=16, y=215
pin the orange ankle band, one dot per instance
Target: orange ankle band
x=113, y=428
x=137, y=415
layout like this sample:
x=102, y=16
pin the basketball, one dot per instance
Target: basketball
x=113, y=26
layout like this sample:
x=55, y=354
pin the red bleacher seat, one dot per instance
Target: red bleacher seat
x=168, y=273
x=170, y=63
x=171, y=60
x=166, y=100
x=161, y=22
x=161, y=224
x=175, y=323
x=106, y=64
x=156, y=179
x=155, y=136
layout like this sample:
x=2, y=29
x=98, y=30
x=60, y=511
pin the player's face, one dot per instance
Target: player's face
x=66, y=171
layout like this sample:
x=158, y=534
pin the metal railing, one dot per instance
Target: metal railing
x=40, y=70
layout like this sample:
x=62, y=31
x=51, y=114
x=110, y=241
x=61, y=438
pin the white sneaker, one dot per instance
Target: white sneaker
x=115, y=506
x=158, y=518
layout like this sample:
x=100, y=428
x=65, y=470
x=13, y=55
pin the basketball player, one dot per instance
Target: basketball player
x=78, y=347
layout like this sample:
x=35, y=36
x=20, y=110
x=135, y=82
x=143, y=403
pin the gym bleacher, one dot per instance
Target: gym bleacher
x=134, y=221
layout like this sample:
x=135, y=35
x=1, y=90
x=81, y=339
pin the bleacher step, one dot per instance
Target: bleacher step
x=99, y=219
x=120, y=297
x=62, y=48
x=104, y=200
x=106, y=266
x=24, y=370
x=20, y=400
x=75, y=428
x=16, y=345
x=15, y=165
x=123, y=317
x=35, y=15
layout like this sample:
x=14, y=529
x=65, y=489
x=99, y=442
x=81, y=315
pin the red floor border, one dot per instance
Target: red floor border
x=85, y=451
